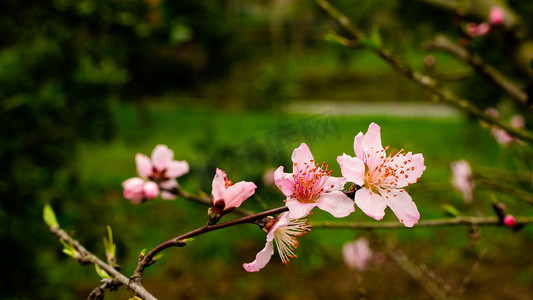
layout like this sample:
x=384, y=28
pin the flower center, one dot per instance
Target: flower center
x=158, y=175
x=309, y=181
x=286, y=238
x=385, y=172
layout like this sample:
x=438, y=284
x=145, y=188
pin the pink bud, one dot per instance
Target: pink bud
x=133, y=189
x=509, y=221
x=150, y=189
x=483, y=28
x=496, y=15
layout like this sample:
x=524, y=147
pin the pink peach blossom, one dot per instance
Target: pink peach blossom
x=311, y=185
x=284, y=232
x=226, y=196
x=381, y=177
x=357, y=254
x=162, y=169
x=462, y=179
x=497, y=15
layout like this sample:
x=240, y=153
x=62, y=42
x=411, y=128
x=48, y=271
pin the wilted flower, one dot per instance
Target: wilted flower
x=227, y=196
x=357, y=254
x=283, y=231
x=311, y=185
x=462, y=179
x=381, y=177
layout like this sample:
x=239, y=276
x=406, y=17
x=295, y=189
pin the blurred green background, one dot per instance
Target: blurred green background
x=235, y=84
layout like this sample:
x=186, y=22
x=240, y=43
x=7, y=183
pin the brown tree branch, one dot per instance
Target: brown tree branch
x=424, y=81
x=457, y=221
x=87, y=257
x=440, y=42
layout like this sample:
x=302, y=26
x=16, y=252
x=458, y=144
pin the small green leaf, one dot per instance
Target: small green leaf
x=69, y=249
x=103, y=274
x=452, y=211
x=110, y=247
x=158, y=256
x=375, y=36
x=49, y=217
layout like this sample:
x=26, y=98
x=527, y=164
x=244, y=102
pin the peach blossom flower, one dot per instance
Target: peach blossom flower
x=284, y=232
x=462, y=179
x=162, y=169
x=357, y=254
x=311, y=185
x=226, y=196
x=381, y=178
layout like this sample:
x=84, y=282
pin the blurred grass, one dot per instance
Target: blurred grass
x=245, y=145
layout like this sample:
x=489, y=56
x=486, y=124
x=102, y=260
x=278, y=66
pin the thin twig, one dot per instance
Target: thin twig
x=426, y=82
x=179, y=240
x=440, y=42
x=457, y=221
x=87, y=257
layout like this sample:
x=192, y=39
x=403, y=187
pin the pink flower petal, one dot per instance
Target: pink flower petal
x=301, y=156
x=335, y=183
x=497, y=14
x=372, y=139
x=352, y=168
x=166, y=186
x=298, y=209
x=235, y=195
x=370, y=203
x=219, y=184
x=144, y=165
x=403, y=206
x=336, y=203
x=412, y=167
x=284, y=182
x=177, y=168
x=358, y=145
x=261, y=259
x=162, y=156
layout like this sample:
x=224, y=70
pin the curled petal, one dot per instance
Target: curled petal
x=219, y=184
x=298, y=209
x=352, y=168
x=336, y=203
x=162, y=156
x=302, y=155
x=370, y=203
x=403, y=206
x=177, y=168
x=261, y=259
x=236, y=194
x=284, y=182
x=370, y=141
x=143, y=164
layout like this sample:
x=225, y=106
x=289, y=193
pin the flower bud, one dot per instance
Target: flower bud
x=509, y=221
x=151, y=189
